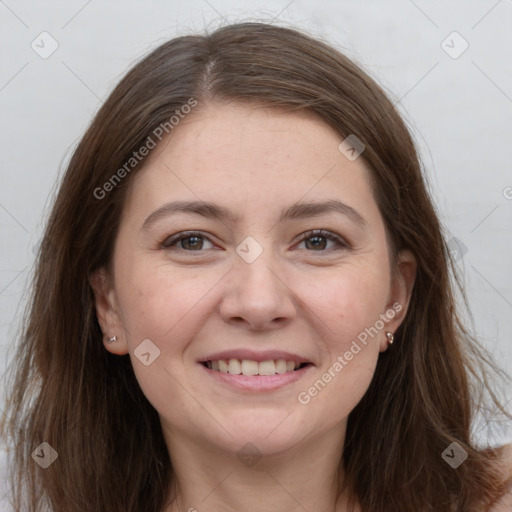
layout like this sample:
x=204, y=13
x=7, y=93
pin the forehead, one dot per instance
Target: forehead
x=247, y=155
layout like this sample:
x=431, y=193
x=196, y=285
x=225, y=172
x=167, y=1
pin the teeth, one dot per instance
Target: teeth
x=249, y=367
x=280, y=366
x=235, y=367
x=267, y=368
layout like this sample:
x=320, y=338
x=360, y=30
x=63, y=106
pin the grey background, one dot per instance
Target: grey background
x=459, y=108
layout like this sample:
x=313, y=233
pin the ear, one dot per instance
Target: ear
x=403, y=278
x=107, y=312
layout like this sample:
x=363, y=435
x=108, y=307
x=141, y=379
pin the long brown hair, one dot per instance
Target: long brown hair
x=68, y=391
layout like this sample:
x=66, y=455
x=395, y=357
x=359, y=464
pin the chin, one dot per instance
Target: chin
x=270, y=432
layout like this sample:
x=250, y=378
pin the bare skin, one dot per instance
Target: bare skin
x=304, y=294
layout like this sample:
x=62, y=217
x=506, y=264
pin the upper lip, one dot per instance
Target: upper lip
x=252, y=355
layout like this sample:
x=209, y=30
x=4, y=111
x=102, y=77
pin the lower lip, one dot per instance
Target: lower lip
x=258, y=382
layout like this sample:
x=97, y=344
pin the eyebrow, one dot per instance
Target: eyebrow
x=216, y=212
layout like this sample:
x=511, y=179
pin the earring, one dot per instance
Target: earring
x=390, y=337
x=112, y=339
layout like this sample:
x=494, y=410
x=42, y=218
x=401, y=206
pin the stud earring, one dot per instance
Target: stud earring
x=112, y=339
x=390, y=337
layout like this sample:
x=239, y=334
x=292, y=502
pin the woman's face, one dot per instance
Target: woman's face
x=217, y=268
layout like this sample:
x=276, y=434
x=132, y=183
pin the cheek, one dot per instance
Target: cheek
x=162, y=307
x=339, y=386
x=349, y=308
x=157, y=304
x=349, y=304
x=348, y=300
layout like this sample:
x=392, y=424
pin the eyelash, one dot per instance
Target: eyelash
x=170, y=241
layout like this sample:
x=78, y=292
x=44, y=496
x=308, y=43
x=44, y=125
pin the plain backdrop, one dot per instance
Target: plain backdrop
x=446, y=65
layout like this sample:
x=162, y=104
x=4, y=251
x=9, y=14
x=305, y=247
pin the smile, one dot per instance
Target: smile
x=250, y=367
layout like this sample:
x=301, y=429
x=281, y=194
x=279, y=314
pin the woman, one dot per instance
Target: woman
x=243, y=301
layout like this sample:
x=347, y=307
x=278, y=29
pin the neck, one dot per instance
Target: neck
x=308, y=476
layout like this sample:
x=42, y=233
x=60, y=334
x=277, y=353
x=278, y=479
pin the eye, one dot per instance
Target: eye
x=188, y=241
x=318, y=239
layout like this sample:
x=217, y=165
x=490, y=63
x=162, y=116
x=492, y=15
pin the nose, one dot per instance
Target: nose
x=257, y=297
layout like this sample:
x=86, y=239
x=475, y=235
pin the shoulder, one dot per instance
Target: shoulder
x=505, y=503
